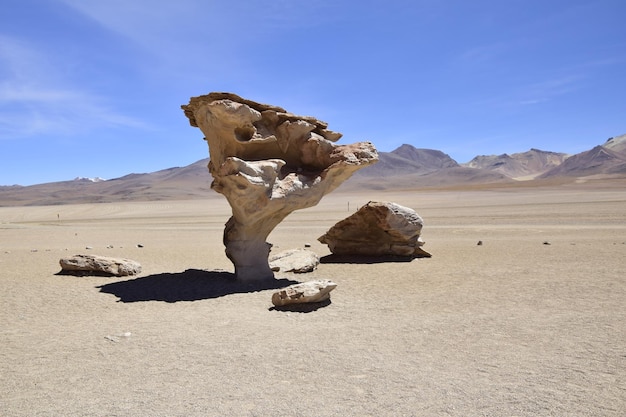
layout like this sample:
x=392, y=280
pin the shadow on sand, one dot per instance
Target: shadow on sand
x=364, y=259
x=190, y=285
x=301, y=308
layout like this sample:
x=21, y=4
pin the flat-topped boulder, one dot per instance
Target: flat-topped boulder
x=378, y=229
x=268, y=162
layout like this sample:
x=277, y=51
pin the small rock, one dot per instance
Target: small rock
x=546, y=243
x=98, y=265
x=306, y=292
x=307, y=245
x=117, y=337
x=139, y=245
x=88, y=247
x=480, y=243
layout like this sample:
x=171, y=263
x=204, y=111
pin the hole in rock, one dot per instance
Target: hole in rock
x=244, y=134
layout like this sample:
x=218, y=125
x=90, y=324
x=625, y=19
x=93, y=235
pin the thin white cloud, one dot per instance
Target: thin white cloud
x=547, y=90
x=35, y=99
x=481, y=54
x=532, y=93
x=147, y=23
x=201, y=27
x=203, y=42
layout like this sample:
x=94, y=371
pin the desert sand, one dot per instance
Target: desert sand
x=530, y=323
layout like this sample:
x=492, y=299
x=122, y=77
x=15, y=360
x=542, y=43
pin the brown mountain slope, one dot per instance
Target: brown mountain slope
x=426, y=158
x=191, y=181
x=524, y=165
x=443, y=178
x=597, y=161
x=616, y=144
x=407, y=160
x=409, y=167
x=404, y=168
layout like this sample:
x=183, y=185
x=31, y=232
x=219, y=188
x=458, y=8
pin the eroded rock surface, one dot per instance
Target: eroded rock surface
x=298, y=261
x=98, y=265
x=306, y=292
x=378, y=229
x=268, y=162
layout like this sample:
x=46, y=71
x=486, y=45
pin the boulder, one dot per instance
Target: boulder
x=306, y=292
x=268, y=162
x=378, y=229
x=98, y=265
x=295, y=260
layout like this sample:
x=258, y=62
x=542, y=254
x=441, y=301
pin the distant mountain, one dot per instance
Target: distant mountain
x=428, y=159
x=616, y=144
x=597, y=161
x=525, y=165
x=448, y=177
x=406, y=167
x=191, y=181
x=411, y=167
x=407, y=160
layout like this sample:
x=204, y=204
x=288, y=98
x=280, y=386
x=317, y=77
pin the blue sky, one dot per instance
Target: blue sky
x=94, y=88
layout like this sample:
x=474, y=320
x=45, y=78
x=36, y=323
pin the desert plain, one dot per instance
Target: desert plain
x=532, y=322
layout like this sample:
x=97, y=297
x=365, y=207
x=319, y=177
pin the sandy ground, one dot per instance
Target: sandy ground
x=513, y=327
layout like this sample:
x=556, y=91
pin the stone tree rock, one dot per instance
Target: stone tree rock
x=377, y=229
x=267, y=163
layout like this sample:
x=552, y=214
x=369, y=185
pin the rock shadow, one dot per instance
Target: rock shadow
x=78, y=273
x=301, y=308
x=364, y=259
x=190, y=285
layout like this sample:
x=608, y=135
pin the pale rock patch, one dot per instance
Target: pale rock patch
x=294, y=260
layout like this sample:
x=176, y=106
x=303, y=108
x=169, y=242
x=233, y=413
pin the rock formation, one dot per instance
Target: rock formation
x=267, y=163
x=98, y=265
x=306, y=292
x=377, y=229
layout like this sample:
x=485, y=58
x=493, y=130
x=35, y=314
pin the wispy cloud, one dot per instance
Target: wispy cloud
x=145, y=20
x=146, y=23
x=532, y=93
x=211, y=28
x=550, y=89
x=35, y=99
x=481, y=54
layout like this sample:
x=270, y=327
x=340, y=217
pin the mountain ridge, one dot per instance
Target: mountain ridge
x=521, y=165
x=406, y=167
